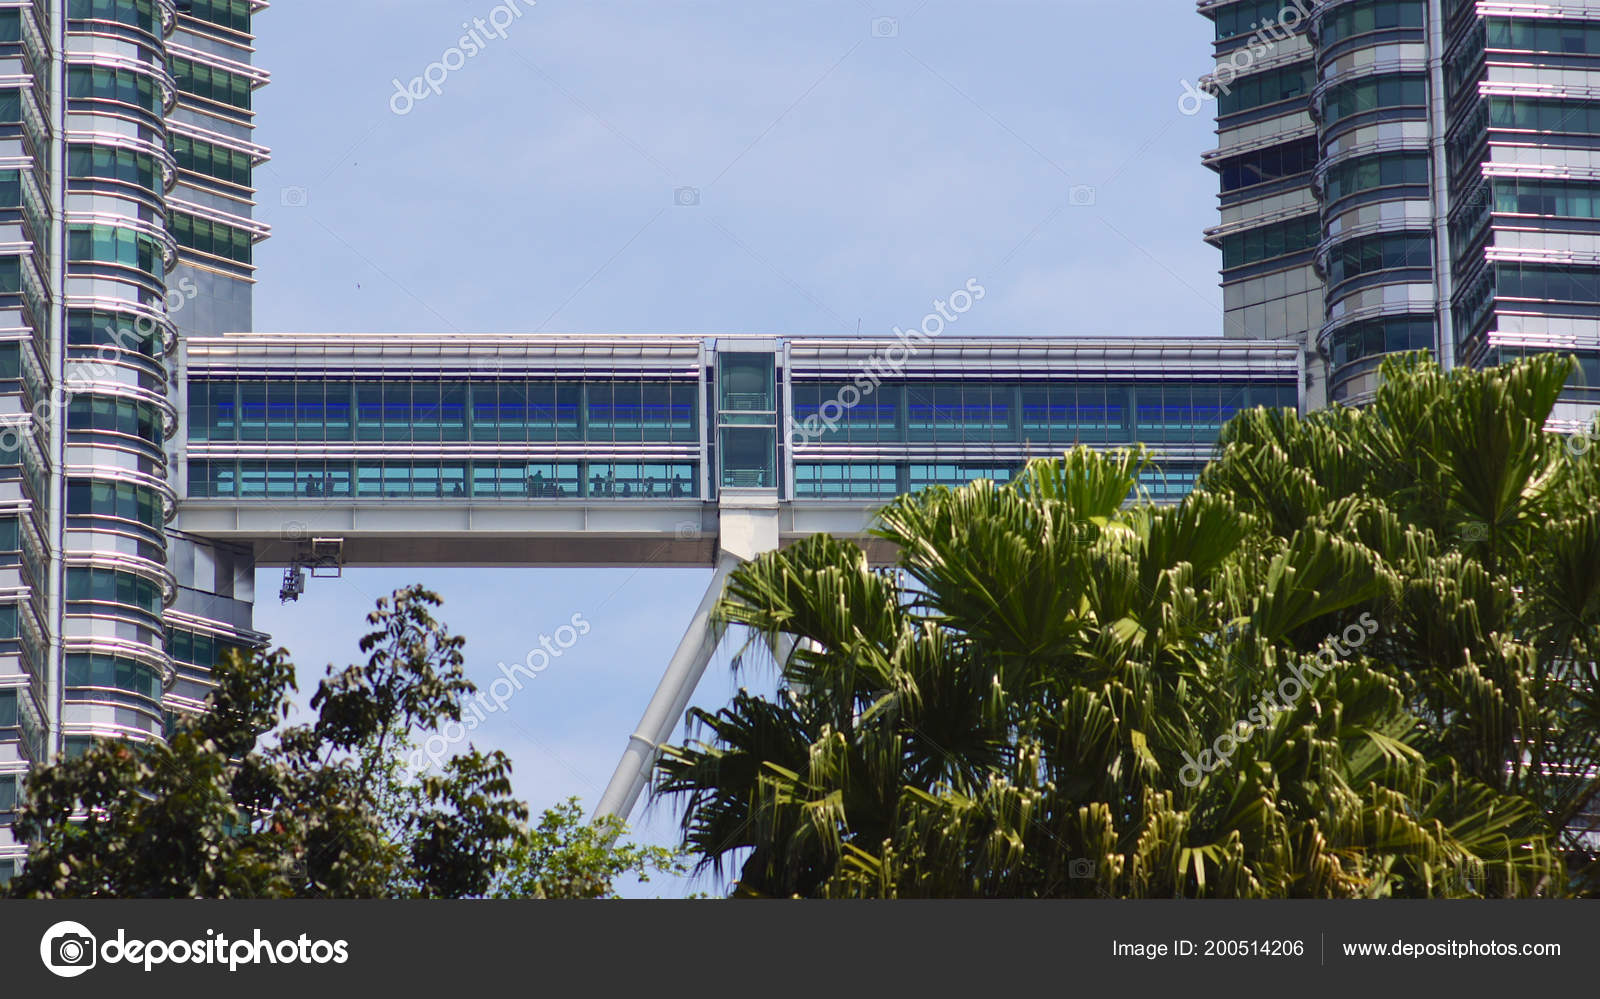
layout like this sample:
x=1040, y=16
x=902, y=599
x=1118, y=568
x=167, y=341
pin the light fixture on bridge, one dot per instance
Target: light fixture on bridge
x=327, y=558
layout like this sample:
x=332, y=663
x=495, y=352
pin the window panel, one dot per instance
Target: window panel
x=397, y=413
x=453, y=479
x=338, y=480
x=513, y=406
x=211, y=83
x=280, y=410
x=1371, y=93
x=252, y=479
x=252, y=411
x=309, y=412
x=369, y=479
x=396, y=480
x=453, y=411
x=655, y=411
x=369, y=411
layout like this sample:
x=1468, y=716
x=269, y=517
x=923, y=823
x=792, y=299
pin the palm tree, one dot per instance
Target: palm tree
x=1313, y=677
x=1493, y=527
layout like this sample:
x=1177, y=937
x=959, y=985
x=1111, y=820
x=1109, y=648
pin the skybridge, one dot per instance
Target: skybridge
x=498, y=450
x=317, y=452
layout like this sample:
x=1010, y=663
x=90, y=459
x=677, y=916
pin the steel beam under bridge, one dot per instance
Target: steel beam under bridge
x=428, y=534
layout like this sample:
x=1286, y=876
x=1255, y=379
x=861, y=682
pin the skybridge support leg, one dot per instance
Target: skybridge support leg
x=748, y=527
x=783, y=648
x=670, y=701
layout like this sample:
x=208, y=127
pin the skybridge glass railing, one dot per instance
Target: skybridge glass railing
x=408, y=411
x=1168, y=482
x=1053, y=414
x=333, y=482
x=644, y=439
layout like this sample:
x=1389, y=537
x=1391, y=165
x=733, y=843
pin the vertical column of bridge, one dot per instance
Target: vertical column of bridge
x=746, y=473
x=118, y=419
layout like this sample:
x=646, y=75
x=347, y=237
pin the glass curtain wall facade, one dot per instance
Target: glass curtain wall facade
x=351, y=421
x=117, y=242
x=869, y=423
x=1450, y=164
x=30, y=49
x=1524, y=170
x=1037, y=417
x=1265, y=157
x=119, y=255
x=416, y=436
x=452, y=420
x=1375, y=183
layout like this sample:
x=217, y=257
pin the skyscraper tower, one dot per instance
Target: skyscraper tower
x=1522, y=158
x=1265, y=154
x=125, y=164
x=1423, y=168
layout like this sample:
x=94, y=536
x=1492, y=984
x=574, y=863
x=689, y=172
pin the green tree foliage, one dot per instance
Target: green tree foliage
x=1055, y=693
x=235, y=805
x=1487, y=529
x=563, y=857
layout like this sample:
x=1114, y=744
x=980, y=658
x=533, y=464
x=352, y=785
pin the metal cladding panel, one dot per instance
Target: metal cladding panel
x=457, y=355
x=976, y=358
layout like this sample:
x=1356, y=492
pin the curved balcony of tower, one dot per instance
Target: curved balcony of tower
x=27, y=377
x=211, y=214
x=115, y=384
x=1374, y=185
x=1263, y=73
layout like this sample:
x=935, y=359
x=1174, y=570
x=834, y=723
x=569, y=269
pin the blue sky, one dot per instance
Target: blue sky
x=851, y=163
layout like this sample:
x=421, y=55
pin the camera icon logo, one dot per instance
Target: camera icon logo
x=11, y=435
x=885, y=27
x=1082, y=869
x=295, y=530
x=686, y=197
x=1473, y=531
x=294, y=197
x=1081, y=196
x=68, y=949
x=1580, y=443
